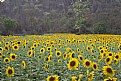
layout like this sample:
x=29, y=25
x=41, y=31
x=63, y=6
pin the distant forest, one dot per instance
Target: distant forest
x=60, y=16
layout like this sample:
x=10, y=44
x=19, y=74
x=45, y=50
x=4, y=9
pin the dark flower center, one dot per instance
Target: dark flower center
x=104, y=54
x=42, y=50
x=80, y=58
x=110, y=54
x=52, y=79
x=115, y=61
x=87, y=63
x=6, y=48
x=9, y=71
x=94, y=66
x=0, y=48
x=101, y=51
x=72, y=63
x=50, y=58
x=108, y=59
x=117, y=57
x=29, y=53
x=13, y=56
x=58, y=53
x=64, y=55
x=18, y=42
x=47, y=59
x=109, y=80
x=15, y=47
x=48, y=48
x=6, y=60
x=73, y=55
x=109, y=70
x=35, y=45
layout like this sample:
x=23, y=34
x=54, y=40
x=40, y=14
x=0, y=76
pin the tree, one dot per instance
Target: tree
x=9, y=24
x=101, y=28
x=81, y=9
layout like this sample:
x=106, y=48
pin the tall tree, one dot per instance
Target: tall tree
x=81, y=9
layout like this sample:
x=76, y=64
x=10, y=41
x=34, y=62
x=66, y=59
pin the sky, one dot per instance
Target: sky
x=2, y=0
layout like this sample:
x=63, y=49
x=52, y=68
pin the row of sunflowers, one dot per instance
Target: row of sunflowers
x=60, y=57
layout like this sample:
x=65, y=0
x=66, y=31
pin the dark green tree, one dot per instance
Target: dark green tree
x=81, y=9
x=10, y=25
x=101, y=28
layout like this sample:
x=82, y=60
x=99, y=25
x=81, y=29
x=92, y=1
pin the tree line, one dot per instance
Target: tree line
x=81, y=17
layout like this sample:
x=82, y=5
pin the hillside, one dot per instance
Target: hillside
x=35, y=16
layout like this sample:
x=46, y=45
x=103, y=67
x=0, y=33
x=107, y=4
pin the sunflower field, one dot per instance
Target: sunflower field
x=60, y=57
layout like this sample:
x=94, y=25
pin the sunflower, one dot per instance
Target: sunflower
x=117, y=56
x=6, y=60
x=23, y=64
x=88, y=48
x=0, y=54
x=110, y=79
x=7, y=44
x=77, y=49
x=73, y=64
x=55, y=49
x=46, y=66
x=6, y=48
x=94, y=66
x=52, y=42
x=60, y=45
x=59, y=60
x=72, y=55
x=108, y=71
x=87, y=63
x=79, y=77
x=1, y=49
x=69, y=41
x=80, y=57
x=91, y=76
x=58, y=53
x=52, y=78
x=108, y=60
x=73, y=78
x=42, y=50
x=52, y=45
x=35, y=44
x=64, y=56
x=116, y=61
x=32, y=47
x=119, y=47
x=30, y=52
x=48, y=59
x=104, y=55
x=10, y=71
x=13, y=56
x=100, y=47
x=100, y=58
x=68, y=49
x=49, y=48
x=102, y=51
x=19, y=42
x=110, y=54
x=15, y=47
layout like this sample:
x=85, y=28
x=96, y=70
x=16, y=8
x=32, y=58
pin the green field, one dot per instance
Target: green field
x=60, y=57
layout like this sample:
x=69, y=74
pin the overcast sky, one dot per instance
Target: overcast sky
x=2, y=0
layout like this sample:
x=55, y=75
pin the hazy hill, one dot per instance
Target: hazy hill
x=51, y=15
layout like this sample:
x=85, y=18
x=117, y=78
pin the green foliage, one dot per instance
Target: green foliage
x=101, y=28
x=80, y=9
x=9, y=23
